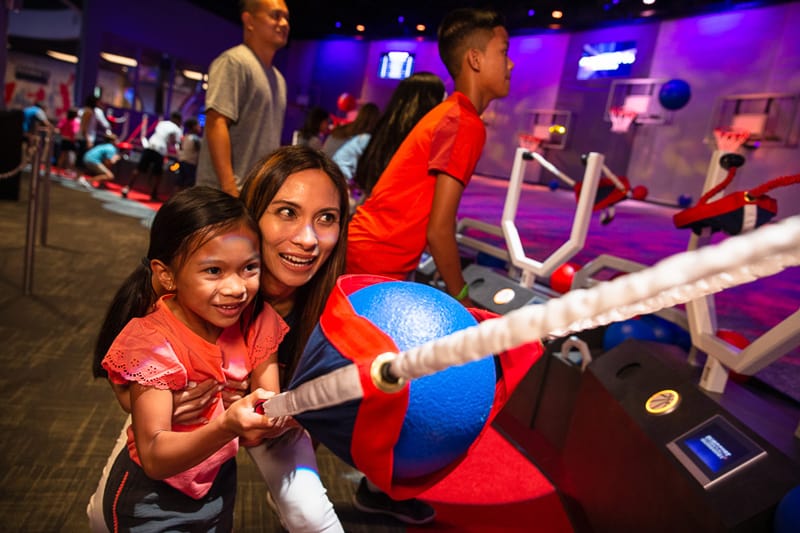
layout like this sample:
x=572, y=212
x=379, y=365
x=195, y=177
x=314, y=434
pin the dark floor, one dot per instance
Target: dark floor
x=59, y=424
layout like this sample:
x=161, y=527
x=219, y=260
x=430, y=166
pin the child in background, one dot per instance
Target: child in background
x=167, y=135
x=188, y=154
x=68, y=127
x=204, y=254
x=97, y=161
x=315, y=128
x=415, y=201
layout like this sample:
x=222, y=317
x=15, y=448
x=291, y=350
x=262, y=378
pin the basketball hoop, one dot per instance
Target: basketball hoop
x=729, y=140
x=529, y=142
x=621, y=119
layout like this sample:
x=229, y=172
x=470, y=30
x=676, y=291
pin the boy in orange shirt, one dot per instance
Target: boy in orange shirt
x=415, y=202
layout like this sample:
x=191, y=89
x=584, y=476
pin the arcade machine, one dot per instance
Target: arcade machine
x=640, y=441
x=501, y=293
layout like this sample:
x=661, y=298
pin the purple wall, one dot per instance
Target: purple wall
x=742, y=51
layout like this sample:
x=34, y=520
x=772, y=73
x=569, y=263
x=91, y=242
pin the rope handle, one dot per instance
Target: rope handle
x=782, y=181
x=718, y=187
x=756, y=192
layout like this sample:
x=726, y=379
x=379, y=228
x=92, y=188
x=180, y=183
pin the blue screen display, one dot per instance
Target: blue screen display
x=396, y=65
x=604, y=60
x=718, y=447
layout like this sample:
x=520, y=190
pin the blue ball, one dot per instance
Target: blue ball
x=634, y=328
x=674, y=94
x=484, y=259
x=684, y=201
x=787, y=514
x=553, y=185
x=447, y=410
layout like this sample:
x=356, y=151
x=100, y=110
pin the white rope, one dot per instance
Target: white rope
x=675, y=280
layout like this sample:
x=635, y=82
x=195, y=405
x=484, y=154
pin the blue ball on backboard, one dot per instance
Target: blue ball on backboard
x=674, y=94
x=446, y=410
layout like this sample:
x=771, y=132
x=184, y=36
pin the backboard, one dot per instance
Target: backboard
x=552, y=126
x=639, y=95
x=770, y=118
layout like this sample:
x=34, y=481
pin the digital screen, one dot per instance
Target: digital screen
x=604, y=60
x=714, y=449
x=396, y=65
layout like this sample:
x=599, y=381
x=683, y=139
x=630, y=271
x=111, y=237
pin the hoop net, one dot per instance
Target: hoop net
x=730, y=139
x=621, y=119
x=529, y=142
x=674, y=280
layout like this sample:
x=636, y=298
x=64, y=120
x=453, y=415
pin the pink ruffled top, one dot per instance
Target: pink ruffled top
x=158, y=350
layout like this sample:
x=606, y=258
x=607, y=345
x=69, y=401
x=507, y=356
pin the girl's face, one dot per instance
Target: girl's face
x=300, y=229
x=217, y=282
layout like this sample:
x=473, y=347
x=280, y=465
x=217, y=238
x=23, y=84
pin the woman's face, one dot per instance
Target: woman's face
x=300, y=229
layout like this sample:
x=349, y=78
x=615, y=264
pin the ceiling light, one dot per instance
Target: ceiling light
x=360, y=27
x=119, y=60
x=421, y=27
x=648, y=2
x=557, y=14
x=61, y=56
x=193, y=75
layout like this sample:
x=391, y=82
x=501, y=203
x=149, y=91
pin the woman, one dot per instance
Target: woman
x=299, y=198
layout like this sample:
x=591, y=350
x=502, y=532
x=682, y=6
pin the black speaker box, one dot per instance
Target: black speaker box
x=10, y=153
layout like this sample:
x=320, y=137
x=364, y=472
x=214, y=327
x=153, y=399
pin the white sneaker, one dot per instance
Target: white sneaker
x=124, y=192
x=83, y=182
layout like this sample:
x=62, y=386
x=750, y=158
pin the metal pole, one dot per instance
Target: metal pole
x=30, y=235
x=45, y=203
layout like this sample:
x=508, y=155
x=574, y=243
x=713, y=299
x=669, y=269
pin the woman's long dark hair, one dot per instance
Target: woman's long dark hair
x=186, y=221
x=411, y=100
x=261, y=186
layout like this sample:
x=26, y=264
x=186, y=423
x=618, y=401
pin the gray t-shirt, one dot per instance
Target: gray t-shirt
x=254, y=99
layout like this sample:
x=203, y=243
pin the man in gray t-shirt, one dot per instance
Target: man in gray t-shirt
x=245, y=100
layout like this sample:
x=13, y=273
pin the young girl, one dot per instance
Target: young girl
x=204, y=253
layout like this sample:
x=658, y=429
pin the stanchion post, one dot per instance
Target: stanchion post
x=44, y=204
x=30, y=235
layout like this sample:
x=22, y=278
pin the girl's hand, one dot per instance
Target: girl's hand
x=189, y=403
x=243, y=419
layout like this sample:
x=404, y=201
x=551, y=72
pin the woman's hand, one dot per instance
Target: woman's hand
x=189, y=403
x=234, y=391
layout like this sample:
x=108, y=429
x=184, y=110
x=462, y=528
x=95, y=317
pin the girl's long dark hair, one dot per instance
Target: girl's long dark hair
x=261, y=186
x=186, y=221
x=411, y=100
x=365, y=122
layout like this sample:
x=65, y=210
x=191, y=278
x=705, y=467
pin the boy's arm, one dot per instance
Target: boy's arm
x=441, y=233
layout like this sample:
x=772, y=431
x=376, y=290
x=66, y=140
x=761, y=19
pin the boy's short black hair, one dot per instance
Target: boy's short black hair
x=190, y=123
x=457, y=30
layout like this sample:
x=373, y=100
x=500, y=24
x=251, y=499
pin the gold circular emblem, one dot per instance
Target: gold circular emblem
x=503, y=296
x=662, y=402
